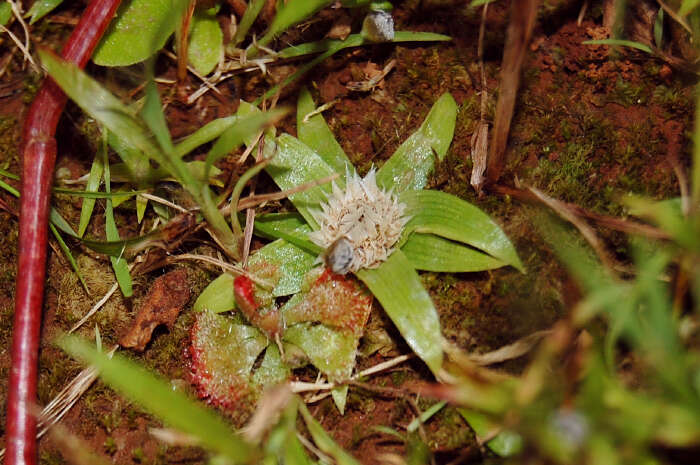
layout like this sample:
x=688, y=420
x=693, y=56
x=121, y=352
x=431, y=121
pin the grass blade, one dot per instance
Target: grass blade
x=620, y=42
x=451, y=217
x=323, y=440
x=206, y=133
x=66, y=251
x=251, y=13
x=93, y=184
x=289, y=14
x=398, y=288
x=121, y=268
x=41, y=8
x=157, y=396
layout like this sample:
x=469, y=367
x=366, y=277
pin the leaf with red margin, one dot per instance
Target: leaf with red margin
x=221, y=359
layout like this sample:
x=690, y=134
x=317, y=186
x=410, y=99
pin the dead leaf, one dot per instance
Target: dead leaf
x=480, y=149
x=162, y=305
x=522, y=22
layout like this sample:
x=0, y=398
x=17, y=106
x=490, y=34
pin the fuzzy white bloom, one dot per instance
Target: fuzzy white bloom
x=365, y=216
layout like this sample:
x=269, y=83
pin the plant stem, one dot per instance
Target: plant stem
x=37, y=177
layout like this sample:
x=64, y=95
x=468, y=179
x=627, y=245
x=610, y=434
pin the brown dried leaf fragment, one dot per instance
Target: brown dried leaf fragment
x=162, y=305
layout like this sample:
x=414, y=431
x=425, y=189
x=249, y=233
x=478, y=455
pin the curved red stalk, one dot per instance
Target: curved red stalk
x=39, y=156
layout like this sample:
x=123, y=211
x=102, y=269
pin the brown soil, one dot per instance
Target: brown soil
x=588, y=128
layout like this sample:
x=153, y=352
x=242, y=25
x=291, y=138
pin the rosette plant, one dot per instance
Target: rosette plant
x=390, y=228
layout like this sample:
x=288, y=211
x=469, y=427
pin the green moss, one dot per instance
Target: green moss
x=51, y=458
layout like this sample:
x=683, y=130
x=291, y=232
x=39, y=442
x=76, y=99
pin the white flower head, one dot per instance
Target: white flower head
x=364, y=216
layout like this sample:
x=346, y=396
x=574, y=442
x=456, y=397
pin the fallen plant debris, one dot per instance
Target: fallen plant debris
x=161, y=306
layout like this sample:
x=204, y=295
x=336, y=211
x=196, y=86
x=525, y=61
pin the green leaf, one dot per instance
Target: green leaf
x=102, y=105
x=398, y=288
x=206, y=41
x=318, y=136
x=288, y=226
x=620, y=42
x=451, y=217
x=92, y=195
x=93, y=184
x=217, y=297
x=121, y=268
x=140, y=30
x=66, y=251
x=340, y=397
x=329, y=47
x=295, y=164
x=239, y=132
x=272, y=370
x=323, y=440
x=40, y=8
x=433, y=253
x=409, y=167
x=251, y=13
x=355, y=40
x=687, y=6
x=292, y=264
x=332, y=351
x=158, y=397
x=505, y=444
x=289, y=14
x=6, y=12
x=206, y=133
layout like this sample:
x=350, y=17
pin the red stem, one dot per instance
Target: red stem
x=37, y=176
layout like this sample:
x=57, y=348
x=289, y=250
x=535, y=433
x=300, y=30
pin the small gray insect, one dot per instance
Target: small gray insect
x=378, y=26
x=339, y=256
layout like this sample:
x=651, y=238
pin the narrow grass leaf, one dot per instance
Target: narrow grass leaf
x=237, y=133
x=429, y=252
x=504, y=444
x=295, y=164
x=41, y=8
x=92, y=195
x=355, y=40
x=398, y=288
x=153, y=116
x=251, y=13
x=121, y=268
x=328, y=47
x=323, y=440
x=409, y=167
x=101, y=105
x=289, y=14
x=69, y=256
x=206, y=41
x=157, y=396
x=93, y=183
x=425, y=416
x=620, y=42
x=318, y=136
x=206, y=133
x=448, y=216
